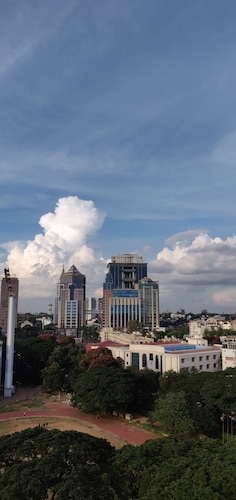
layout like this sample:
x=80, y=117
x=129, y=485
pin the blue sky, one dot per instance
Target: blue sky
x=118, y=135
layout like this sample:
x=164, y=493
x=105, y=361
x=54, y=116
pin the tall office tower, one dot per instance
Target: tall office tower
x=4, y=302
x=93, y=304
x=70, y=300
x=149, y=303
x=107, y=295
x=126, y=270
x=100, y=309
x=120, y=294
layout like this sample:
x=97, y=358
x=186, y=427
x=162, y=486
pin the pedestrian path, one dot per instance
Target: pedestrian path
x=114, y=426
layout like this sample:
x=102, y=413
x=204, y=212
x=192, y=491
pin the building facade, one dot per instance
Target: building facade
x=149, y=303
x=165, y=356
x=70, y=300
x=120, y=290
x=126, y=270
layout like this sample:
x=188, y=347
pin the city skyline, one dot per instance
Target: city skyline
x=118, y=130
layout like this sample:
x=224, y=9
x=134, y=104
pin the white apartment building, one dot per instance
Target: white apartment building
x=198, y=327
x=228, y=358
x=107, y=333
x=228, y=351
x=165, y=356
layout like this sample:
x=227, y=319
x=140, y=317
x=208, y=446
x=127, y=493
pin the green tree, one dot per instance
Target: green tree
x=134, y=326
x=62, y=368
x=171, y=411
x=103, y=390
x=146, y=386
x=31, y=356
x=39, y=464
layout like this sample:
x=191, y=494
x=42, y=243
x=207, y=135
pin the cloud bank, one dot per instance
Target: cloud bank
x=64, y=240
x=195, y=271
x=200, y=265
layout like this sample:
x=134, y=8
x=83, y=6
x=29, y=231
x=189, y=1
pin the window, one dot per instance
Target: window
x=200, y=367
x=182, y=360
x=208, y=366
x=135, y=359
x=214, y=357
x=214, y=365
x=151, y=357
x=200, y=358
x=157, y=363
x=144, y=360
x=192, y=359
x=207, y=357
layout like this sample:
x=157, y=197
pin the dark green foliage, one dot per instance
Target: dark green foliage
x=176, y=470
x=171, y=411
x=103, y=390
x=207, y=394
x=37, y=462
x=31, y=356
x=62, y=368
x=146, y=386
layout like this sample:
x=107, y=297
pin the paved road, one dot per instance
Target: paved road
x=112, y=425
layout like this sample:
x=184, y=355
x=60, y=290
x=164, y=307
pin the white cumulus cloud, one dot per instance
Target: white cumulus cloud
x=63, y=241
x=202, y=269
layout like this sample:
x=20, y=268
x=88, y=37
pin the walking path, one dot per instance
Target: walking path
x=114, y=426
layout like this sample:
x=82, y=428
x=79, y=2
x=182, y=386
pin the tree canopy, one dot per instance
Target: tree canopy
x=104, y=390
x=62, y=368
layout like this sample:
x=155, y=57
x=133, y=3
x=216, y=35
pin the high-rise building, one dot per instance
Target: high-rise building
x=123, y=307
x=70, y=300
x=149, y=303
x=90, y=308
x=120, y=294
x=93, y=304
x=126, y=270
x=4, y=302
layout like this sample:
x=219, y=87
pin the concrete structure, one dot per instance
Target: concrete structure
x=1, y=344
x=228, y=358
x=4, y=302
x=165, y=356
x=108, y=334
x=70, y=300
x=228, y=351
x=8, y=383
x=197, y=328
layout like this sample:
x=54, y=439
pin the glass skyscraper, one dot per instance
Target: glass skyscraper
x=70, y=300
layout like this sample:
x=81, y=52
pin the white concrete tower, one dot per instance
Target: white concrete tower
x=8, y=383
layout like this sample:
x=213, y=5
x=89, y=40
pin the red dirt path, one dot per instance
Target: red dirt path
x=111, y=425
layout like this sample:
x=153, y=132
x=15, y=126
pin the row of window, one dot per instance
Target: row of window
x=193, y=359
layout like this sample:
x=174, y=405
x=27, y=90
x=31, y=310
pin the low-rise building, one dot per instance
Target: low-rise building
x=228, y=358
x=165, y=356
